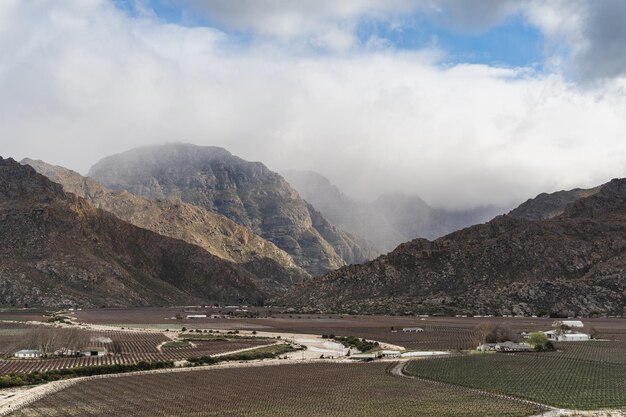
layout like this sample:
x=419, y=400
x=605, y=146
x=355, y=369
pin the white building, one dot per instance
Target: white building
x=28, y=353
x=363, y=357
x=486, y=347
x=512, y=347
x=412, y=329
x=568, y=336
x=574, y=337
x=390, y=353
x=568, y=323
x=196, y=316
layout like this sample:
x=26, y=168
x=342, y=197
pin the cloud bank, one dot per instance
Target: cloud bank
x=82, y=79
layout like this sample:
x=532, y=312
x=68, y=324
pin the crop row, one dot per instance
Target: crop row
x=126, y=357
x=287, y=390
x=550, y=378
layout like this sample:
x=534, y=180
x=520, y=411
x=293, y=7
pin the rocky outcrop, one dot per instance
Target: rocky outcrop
x=56, y=249
x=246, y=192
x=172, y=217
x=573, y=264
x=547, y=206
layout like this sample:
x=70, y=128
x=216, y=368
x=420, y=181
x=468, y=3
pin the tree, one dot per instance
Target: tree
x=493, y=333
x=539, y=341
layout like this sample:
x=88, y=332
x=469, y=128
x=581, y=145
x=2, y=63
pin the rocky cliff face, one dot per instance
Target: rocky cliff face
x=388, y=221
x=547, y=206
x=574, y=263
x=213, y=232
x=57, y=250
x=246, y=192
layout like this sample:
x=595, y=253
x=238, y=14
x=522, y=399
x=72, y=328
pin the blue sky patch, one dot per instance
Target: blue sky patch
x=514, y=43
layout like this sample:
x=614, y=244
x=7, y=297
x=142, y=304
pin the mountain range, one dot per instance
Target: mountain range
x=171, y=217
x=57, y=249
x=572, y=263
x=388, y=221
x=246, y=192
x=180, y=224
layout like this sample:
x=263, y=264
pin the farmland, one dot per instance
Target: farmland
x=440, y=333
x=281, y=390
x=583, y=376
x=587, y=375
x=130, y=347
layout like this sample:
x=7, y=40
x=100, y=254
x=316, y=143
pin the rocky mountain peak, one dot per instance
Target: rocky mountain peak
x=246, y=192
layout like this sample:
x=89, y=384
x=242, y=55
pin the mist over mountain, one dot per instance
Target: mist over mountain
x=391, y=219
x=56, y=249
x=213, y=232
x=246, y=192
x=572, y=264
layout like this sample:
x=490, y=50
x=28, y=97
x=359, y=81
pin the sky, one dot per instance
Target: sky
x=464, y=103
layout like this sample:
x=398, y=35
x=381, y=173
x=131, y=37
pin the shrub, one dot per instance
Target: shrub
x=539, y=341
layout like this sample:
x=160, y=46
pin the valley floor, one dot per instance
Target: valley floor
x=323, y=381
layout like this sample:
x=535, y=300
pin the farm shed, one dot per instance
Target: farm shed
x=28, y=353
x=568, y=336
x=390, y=353
x=412, y=329
x=574, y=337
x=486, y=347
x=423, y=353
x=568, y=323
x=93, y=351
x=364, y=357
x=512, y=347
x=196, y=316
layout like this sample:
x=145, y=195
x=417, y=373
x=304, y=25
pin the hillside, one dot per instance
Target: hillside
x=572, y=264
x=215, y=233
x=57, y=250
x=548, y=205
x=388, y=221
x=246, y=192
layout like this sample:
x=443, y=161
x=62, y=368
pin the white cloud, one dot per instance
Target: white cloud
x=80, y=80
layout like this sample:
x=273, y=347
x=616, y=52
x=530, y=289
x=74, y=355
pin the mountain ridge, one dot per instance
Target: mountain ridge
x=572, y=264
x=246, y=192
x=59, y=250
x=216, y=234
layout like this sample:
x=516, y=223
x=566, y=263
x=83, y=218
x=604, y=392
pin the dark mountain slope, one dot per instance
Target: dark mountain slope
x=56, y=249
x=246, y=192
x=547, y=206
x=213, y=232
x=572, y=264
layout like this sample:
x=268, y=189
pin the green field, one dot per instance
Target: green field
x=582, y=376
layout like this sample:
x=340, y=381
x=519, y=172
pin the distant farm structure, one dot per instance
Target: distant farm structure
x=28, y=354
x=568, y=323
x=412, y=329
x=567, y=336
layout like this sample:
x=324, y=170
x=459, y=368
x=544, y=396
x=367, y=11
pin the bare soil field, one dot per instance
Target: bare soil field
x=23, y=315
x=450, y=333
x=284, y=390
